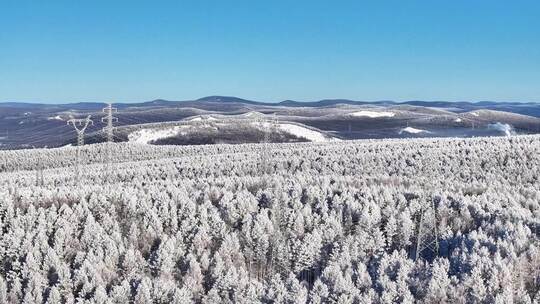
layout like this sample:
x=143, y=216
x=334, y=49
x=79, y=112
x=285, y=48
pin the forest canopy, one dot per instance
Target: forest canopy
x=375, y=221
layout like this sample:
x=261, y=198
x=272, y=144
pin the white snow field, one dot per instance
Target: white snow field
x=146, y=136
x=57, y=117
x=372, y=114
x=201, y=118
x=412, y=130
x=306, y=133
x=252, y=114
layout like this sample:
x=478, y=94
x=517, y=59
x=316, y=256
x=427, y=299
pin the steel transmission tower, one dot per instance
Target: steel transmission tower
x=109, y=119
x=40, y=181
x=427, y=240
x=269, y=127
x=108, y=130
x=263, y=152
x=80, y=126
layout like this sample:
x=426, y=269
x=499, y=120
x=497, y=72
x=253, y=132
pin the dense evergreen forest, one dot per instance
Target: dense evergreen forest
x=374, y=221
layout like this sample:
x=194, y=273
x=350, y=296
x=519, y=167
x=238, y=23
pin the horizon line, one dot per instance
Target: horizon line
x=35, y=102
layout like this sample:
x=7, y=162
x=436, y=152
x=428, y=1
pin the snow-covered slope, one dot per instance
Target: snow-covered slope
x=202, y=126
x=57, y=117
x=146, y=136
x=412, y=130
x=372, y=114
x=252, y=114
x=201, y=118
x=311, y=135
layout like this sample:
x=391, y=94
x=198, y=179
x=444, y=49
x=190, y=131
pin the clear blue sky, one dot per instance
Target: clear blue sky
x=68, y=51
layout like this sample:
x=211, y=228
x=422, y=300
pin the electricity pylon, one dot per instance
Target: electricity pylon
x=40, y=180
x=80, y=126
x=269, y=127
x=108, y=130
x=427, y=239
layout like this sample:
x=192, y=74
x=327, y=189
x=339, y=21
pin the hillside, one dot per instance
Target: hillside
x=343, y=222
x=36, y=125
x=206, y=129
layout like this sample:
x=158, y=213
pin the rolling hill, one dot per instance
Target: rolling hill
x=26, y=125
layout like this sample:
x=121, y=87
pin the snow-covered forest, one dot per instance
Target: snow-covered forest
x=375, y=221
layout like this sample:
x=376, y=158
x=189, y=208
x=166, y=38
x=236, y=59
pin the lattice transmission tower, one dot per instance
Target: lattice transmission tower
x=108, y=130
x=269, y=127
x=427, y=240
x=40, y=180
x=109, y=119
x=80, y=126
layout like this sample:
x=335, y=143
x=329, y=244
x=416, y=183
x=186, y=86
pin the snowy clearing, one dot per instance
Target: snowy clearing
x=457, y=120
x=412, y=130
x=57, y=117
x=372, y=114
x=200, y=118
x=145, y=136
x=252, y=114
x=475, y=114
x=306, y=133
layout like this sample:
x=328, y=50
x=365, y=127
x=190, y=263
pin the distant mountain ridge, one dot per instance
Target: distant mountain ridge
x=525, y=108
x=29, y=124
x=288, y=102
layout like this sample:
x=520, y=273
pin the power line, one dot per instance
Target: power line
x=80, y=126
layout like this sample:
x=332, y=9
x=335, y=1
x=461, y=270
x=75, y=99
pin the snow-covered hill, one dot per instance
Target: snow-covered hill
x=303, y=132
x=32, y=125
x=209, y=129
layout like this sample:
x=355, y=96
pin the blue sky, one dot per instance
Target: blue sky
x=69, y=51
